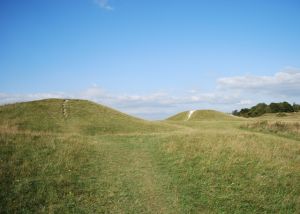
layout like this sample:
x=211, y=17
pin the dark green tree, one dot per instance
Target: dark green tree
x=262, y=108
x=274, y=107
x=258, y=110
x=296, y=107
x=235, y=112
x=286, y=107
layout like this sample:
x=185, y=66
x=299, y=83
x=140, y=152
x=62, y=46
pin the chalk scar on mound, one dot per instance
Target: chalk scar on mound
x=190, y=114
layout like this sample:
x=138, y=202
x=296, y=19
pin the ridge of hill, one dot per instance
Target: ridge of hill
x=74, y=116
x=201, y=115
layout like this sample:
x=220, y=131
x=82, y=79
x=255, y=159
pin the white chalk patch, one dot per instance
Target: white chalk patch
x=64, y=108
x=190, y=114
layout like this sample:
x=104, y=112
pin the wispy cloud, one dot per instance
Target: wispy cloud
x=12, y=98
x=104, y=4
x=286, y=82
x=230, y=93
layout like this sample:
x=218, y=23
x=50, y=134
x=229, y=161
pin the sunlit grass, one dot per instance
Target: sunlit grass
x=286, y=128
x=211, y=166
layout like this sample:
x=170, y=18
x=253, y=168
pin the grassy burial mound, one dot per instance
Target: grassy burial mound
x=72, y=116
x=201, y=115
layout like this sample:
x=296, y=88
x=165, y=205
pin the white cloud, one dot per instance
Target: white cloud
x=286, y=83
x=12, y=98
x=104, y=4
x=245, y=102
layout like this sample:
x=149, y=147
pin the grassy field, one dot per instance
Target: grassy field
x=80, y=157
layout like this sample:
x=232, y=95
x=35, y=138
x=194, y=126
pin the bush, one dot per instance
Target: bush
x=262, y=108
x=281, y=114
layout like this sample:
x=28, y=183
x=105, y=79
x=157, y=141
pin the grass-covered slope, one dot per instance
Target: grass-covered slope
x=72, y=116
x=91, y=118
x=50, y=162
x=201, y=115
x=44, y=115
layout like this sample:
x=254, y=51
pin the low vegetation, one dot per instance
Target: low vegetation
x=291, y=129
x=97, y=160
x=262, y=108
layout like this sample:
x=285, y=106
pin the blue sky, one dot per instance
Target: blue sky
x=151, y=58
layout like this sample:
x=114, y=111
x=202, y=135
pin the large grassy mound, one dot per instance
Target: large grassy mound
x=75, y=116
x=202, y=115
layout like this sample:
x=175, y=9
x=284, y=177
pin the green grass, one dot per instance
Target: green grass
x=289, y=117
x=83, y=117
x=288, y=129
x=91, y=162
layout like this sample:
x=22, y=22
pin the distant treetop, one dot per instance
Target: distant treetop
x=262, y=108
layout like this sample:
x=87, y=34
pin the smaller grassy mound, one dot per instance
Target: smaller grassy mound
x=179, y=117
x=202, y=115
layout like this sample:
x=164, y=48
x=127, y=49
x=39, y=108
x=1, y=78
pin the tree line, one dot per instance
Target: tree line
x=262, y=108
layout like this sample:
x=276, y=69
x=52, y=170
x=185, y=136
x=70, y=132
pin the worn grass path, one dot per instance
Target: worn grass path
x=136, y=184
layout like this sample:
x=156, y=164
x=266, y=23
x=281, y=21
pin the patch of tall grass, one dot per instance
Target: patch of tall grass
x=289, y=129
